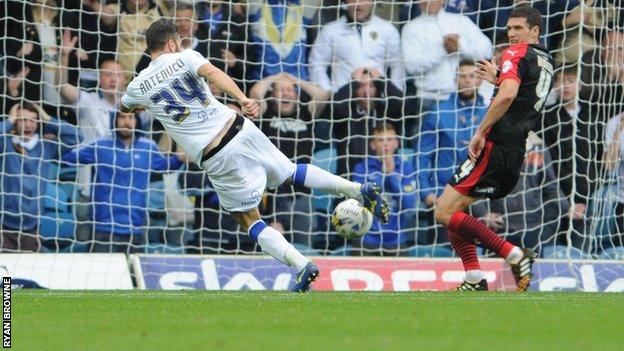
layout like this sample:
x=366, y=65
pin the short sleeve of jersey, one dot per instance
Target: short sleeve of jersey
x=128, y=100
x=193, y=60
x=510, y=64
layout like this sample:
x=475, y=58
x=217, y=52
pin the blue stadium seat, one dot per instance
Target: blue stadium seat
x=55, y=198
x=480, y=251
x=613, y=253
x=305, y=249
x=429, y=251
x=560, y=252
x=602, y=209
x=67, y=173
x=156, y=197
x=326, y=159
x=70, y=189
x=56, y=225
x=342, y=251
x=75, y=247
x=53, y=171
x=165, y=249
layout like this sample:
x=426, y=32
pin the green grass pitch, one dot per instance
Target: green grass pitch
x=199, y=320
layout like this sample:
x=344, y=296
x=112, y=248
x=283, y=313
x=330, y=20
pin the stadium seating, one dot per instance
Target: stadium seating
x=57, y=225
x=58, y=218
x=67, y=173
x=305, y=249
x=164, y=249
x=429, y=251
x=602, y=209
x=56, y=221
x=326, y=159
x=342, y=251
x=55, y=198
x=561, y=252
x=612, y=253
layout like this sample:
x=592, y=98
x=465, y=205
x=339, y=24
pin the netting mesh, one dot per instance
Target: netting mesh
x=386, y=98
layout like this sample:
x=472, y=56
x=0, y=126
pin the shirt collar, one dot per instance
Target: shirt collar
x=194, y=43
x=576, y=110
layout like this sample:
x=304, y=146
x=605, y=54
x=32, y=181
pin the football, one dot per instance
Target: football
x=351, y=220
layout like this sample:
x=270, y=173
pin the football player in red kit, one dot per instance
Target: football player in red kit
x=496, y=151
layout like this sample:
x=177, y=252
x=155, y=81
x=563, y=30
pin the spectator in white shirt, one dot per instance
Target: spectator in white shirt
x=357, y=40
x=94, y=109
x=434, y=43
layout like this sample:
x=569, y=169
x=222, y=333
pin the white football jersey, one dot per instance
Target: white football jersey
x=180, y=99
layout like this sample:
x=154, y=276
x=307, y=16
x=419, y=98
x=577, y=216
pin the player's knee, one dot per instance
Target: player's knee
x=442, y=216
x=443, y=212
x=246, y=219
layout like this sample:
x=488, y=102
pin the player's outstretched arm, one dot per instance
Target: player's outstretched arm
x=507, y=92
x=227, y=85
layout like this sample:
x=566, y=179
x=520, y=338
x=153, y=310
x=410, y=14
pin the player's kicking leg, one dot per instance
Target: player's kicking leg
x=465, y=230
x=273, y=243
x=369, y=194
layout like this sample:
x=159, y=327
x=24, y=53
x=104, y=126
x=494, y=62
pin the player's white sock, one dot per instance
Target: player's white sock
x=273, y=243
x=515, y=255
x=474, y=276
x=314, y=177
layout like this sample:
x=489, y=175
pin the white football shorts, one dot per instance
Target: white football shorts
x=245, y=167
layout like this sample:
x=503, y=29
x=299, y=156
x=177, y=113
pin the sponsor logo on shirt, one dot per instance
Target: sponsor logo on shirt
x=507, y=65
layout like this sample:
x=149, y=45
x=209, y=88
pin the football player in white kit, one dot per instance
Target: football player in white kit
x=239, y=159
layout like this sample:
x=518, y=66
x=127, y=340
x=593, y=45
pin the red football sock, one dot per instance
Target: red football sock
x=466, y=250
x=471, y=228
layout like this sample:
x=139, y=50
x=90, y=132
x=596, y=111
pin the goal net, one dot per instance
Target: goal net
x=389, y=97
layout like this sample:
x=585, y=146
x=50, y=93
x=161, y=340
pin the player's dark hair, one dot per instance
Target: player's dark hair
x=467, y=62
x=384, y=127
x=159, y=33
x=532, y=16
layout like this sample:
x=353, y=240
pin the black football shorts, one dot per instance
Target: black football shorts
x=493, y=175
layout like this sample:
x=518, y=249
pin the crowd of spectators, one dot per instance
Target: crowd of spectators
x=388, y=87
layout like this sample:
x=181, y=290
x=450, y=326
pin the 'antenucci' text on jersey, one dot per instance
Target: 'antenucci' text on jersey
x=180, y=99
